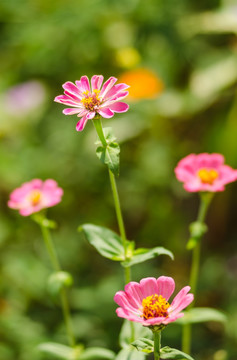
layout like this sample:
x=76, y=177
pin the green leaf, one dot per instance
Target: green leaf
x=61, y=351
x=106, y=242
x=139, y=332
x=198, y=315
x=144, y=345
x=130, y=353
x=169, y=353
x=142, y=254
x=109, y=156
x=97, y=353
x=108, y=134
x=58, y=280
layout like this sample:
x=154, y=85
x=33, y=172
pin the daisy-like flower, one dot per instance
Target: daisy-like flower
x=87, y=100
x=204, y=172
x=147, y=302
x=34, y=196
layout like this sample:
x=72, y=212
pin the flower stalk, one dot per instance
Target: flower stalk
x=63, y=294
x=205, y=200
x=157, y=344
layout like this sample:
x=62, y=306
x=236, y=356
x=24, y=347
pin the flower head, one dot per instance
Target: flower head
x=204, y=172
x=34, y=196
x=87, y=100
x=147, y=302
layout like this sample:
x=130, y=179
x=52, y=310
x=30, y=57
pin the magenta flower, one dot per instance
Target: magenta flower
x=86, y=101
x=147, y=302
x=34, y=196
x=204, y=172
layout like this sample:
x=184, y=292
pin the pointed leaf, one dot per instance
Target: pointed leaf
x=169, y=353
x=106, y=242
x=97, y=353
x=198, y=315
x=144, y=345
x=142, y=254
x=109, y=156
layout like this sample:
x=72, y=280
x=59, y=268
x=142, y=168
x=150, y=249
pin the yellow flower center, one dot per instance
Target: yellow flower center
x=207, y=176
x=91, y=100
x=155, y=306
x=35, y=197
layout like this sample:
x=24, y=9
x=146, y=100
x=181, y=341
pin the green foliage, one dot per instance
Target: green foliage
x=144, y=344
x=140, y=255
x=198, y=315
x=169, y=353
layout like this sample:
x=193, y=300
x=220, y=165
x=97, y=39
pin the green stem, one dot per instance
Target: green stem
x=63, y=295
x=194, y=272
x=127, y=270
x=157, y=344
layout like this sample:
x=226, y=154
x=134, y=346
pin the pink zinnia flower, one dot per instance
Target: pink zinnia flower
x=86, y=101
x=34, y=196
x=147, y=302
x=204, y=172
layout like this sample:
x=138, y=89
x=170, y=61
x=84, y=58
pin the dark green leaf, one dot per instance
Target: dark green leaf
x=142, y=254
x=144, y=345
x=169, y=353
x=109, y=156
x=197, y=315
x=106, y=242
x=97, y=353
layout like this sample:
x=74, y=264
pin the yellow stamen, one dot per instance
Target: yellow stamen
x=35, y=197
x=91, y=100
x=155, y=306
x=207, y=176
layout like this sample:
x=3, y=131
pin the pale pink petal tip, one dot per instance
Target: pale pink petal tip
x=35, y=195
x=204, y=172
x=88, y=98
x=136, y=295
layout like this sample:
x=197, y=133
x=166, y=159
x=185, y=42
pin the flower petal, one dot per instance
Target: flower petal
x=119, y=107
x=166, y=286
x=85, y=85
x=96, y=82
x=107, y=86
x=66, y=100
x=70, y=111
x=181, y=300
x=81, y=123
x=149, y=286
x=105, y=113
x=72, y=88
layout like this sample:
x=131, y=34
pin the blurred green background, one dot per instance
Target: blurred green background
x=191, y=48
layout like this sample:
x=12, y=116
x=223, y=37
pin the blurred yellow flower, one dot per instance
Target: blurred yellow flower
x=144, y=84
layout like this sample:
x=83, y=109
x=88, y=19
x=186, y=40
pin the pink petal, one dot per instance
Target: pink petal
x=116, y=89
x=119, y=107
x=134, y=291
x=166, y=286
x=122, y=299
x=72, y=88
x=107, y=86
x=105, y=113
x=85, y=85
x=70, y=111
x=123, y=313
x=181, y=300
x=149, y=286
x=64, y=99
x=81, y=123
x=96, y=82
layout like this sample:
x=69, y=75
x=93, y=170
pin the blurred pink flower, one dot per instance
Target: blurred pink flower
x=204, y=172
x=147, y=302
x=34, y=196
x=20, y=100
x=86, y=101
